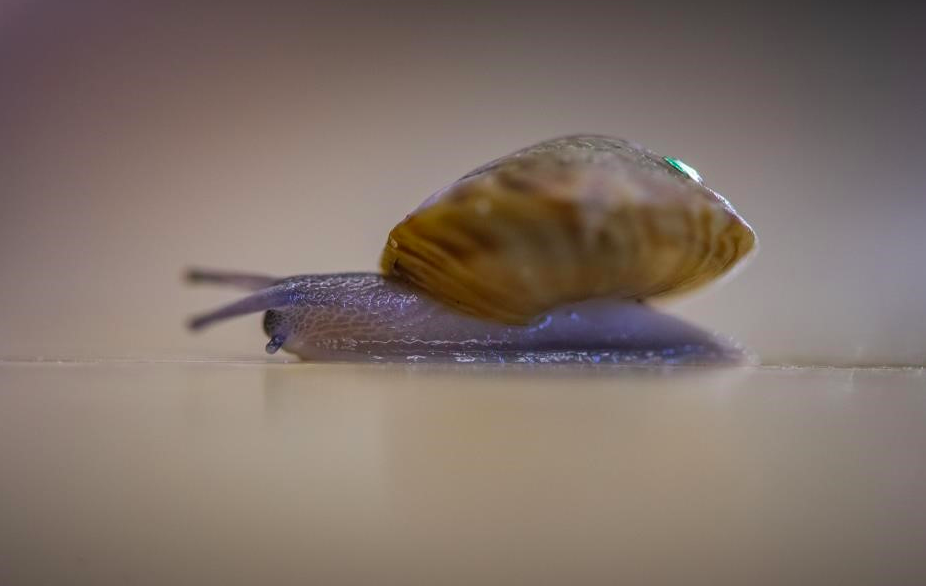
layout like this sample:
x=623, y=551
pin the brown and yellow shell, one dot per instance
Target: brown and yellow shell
x=565, y=220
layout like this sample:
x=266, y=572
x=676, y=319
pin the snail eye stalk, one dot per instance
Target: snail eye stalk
x=681, y=166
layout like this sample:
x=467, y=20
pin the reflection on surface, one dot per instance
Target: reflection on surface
x=249, y=473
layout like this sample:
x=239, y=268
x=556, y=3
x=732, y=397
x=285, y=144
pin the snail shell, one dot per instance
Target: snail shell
x=565, y=220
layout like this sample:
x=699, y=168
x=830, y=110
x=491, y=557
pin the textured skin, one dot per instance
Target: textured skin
x=360, y=316
x=562, y=221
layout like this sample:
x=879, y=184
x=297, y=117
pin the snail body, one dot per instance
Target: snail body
x=543, y=255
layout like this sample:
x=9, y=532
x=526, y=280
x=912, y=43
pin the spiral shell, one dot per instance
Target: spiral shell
x=565, y=220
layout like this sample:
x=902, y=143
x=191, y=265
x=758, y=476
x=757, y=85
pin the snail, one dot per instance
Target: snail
x=549, y=254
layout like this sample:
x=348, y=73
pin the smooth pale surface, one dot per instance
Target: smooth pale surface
x=251, y=473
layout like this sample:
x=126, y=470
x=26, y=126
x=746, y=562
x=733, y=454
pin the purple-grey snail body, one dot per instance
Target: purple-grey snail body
x=548, y=254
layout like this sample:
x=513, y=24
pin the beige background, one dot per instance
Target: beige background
x=138, y=138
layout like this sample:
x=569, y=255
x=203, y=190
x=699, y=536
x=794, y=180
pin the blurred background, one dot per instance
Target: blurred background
x=139, y=138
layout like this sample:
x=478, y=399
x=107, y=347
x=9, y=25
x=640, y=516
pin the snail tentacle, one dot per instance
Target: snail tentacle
x=276, y=342
x=247, y=281
x=269, y=298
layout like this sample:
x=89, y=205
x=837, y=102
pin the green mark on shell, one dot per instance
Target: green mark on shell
x=680, y=165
